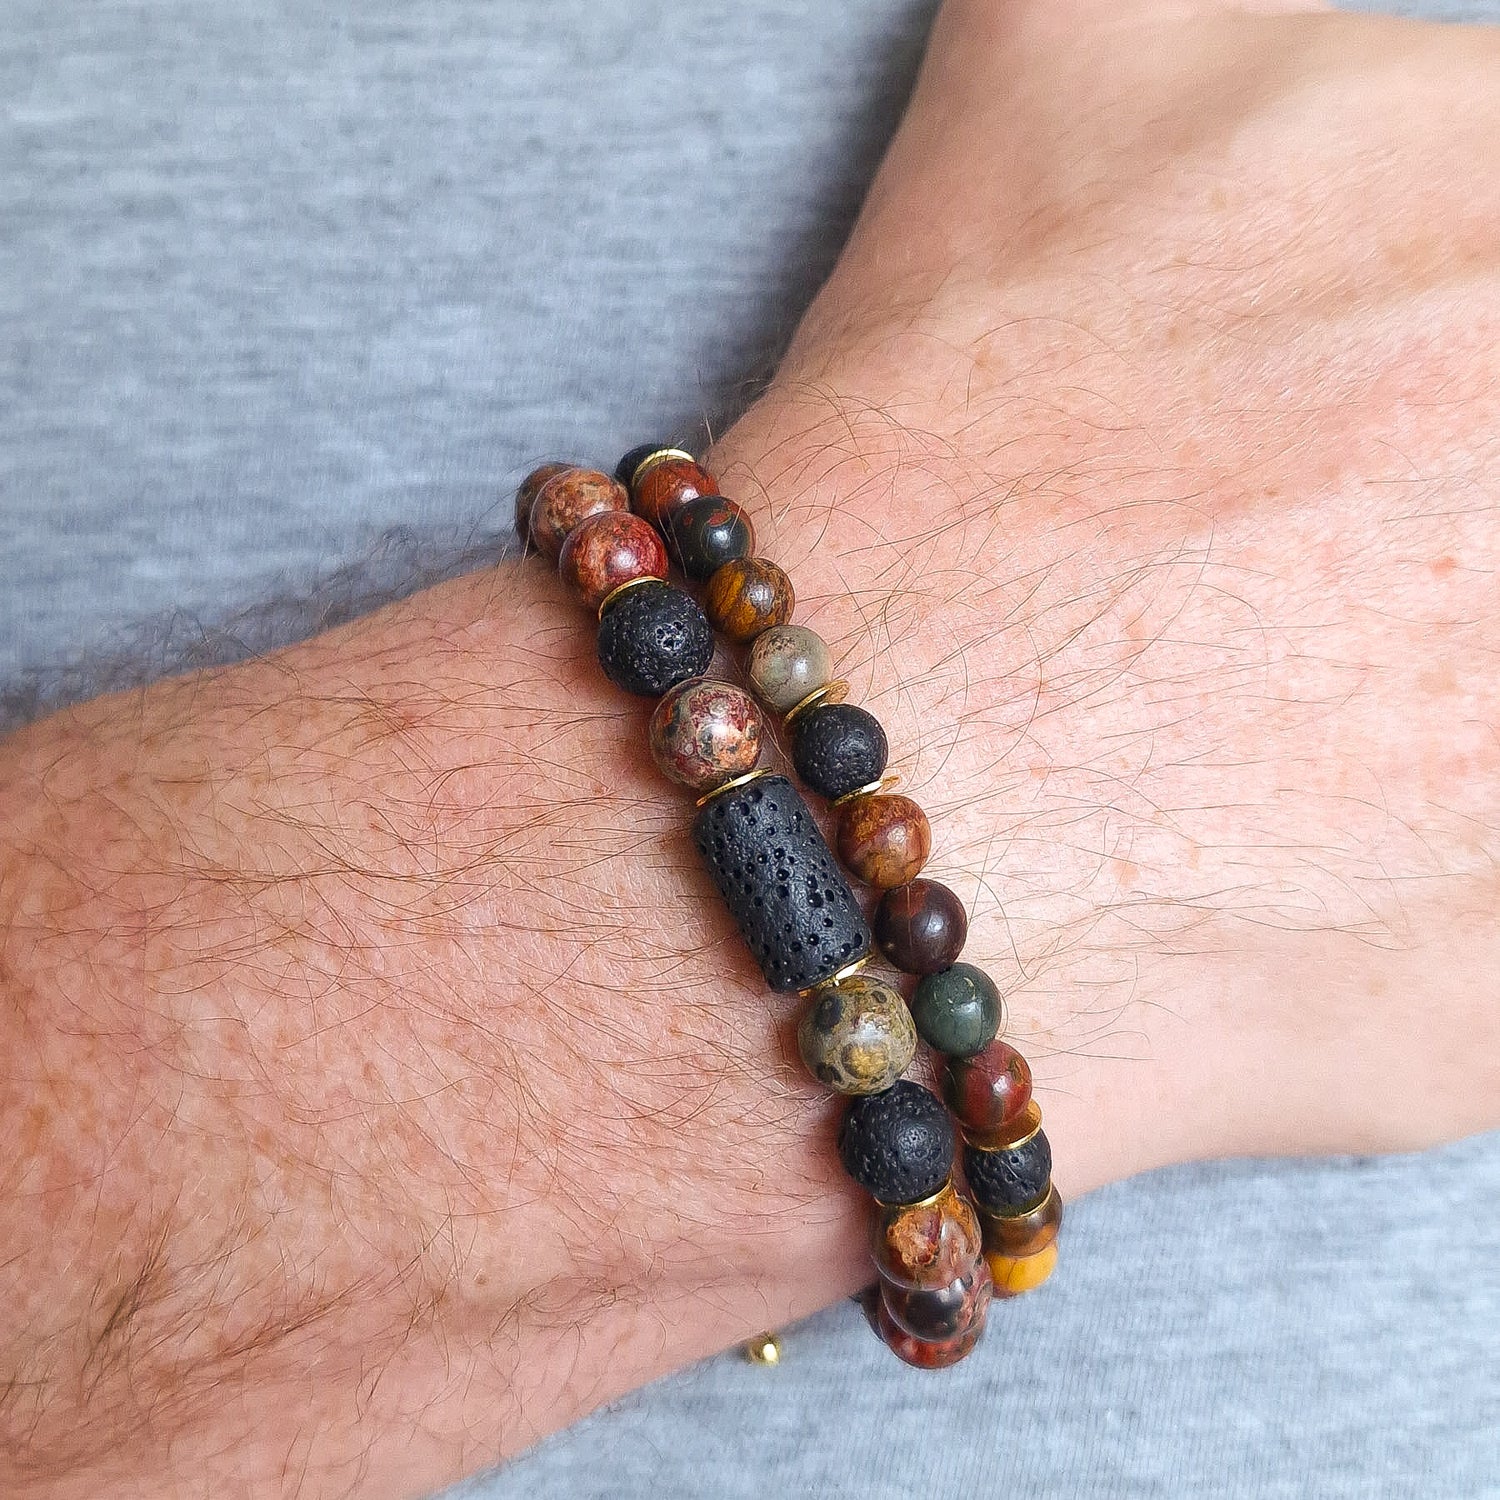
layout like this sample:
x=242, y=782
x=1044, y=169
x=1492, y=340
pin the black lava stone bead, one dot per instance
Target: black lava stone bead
x=1010, y=1182
x=653, y=637
x=708, y=532
x=838, y=748
x=898, y=1145
x=625, y=469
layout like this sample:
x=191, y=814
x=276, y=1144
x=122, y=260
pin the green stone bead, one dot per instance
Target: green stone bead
x=957, y=1010
x=857, y=1036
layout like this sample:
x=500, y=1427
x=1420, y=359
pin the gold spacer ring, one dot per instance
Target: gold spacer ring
x=869, y=789
x=651, y=460
x=831, y=692
x=621, y=588
x=729, y=786
x=1020, y=1130
x=927, y=1202
x=847, y=972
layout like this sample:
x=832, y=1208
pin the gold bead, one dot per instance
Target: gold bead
x=763, y=1349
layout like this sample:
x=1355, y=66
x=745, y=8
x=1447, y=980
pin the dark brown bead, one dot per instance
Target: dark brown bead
x=659, y=488
x=934, y=1354
x=567, y=499
x=989, y=1089
x=1023, y=1234
x=921, y=926
x=608, y=549
x=747, y=596
x=527, y=493
x=883, y=839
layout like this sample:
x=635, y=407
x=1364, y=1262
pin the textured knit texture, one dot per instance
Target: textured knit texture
x=290, y=295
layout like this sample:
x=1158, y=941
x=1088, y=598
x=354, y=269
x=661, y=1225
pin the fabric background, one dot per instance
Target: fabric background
x=291, y=295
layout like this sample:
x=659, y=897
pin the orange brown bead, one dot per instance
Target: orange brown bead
x=569, y=498
x=883, y=838
x=662, y=484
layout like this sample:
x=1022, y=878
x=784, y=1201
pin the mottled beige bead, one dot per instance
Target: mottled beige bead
x=857, y=1036
x=787, y=662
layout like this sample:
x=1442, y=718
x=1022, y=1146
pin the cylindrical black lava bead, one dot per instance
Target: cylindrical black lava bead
x=708, y=532
x=838, y=748
x=652, y=637
x=898, y=1145
x=625, y=469
x=1012, y=1181
x=781, y=883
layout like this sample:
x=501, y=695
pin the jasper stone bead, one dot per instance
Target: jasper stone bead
x=527, y=492
x=943, y=1312
x=1011, y=1181
x=897, y=1145
x=704, y=733
x=883, y=839
x=708, y=532
x=921, y=926
x=927, y=1244
x=747, y=596
x=1026, y=1233
x=838, y=748
x=787, y=662
x=607, y=550
x=652, y=637
x=568, y=498
x=857, y=1036
x=957, y=1010
x=932, y=1354
x=988, y=1089
x=659, y=486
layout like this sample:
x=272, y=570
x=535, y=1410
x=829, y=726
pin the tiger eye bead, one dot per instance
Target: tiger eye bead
x=527, y=492
x=928, y=1244
x=708, y=532
x=1026, y=1233
x=747, y=596
x=659, y=487
x=786, y=663
x=957, y=1010
x=607, y=550
x=988, y=1089
x=567, y=499
x=704, y=733
x=857, y=1036
x=921, y=926
x=883, y=839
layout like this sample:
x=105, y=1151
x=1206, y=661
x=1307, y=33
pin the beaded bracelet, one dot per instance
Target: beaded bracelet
x=940, y=1254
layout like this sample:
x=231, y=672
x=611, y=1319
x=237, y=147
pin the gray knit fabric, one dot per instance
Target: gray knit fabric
x=290, y=295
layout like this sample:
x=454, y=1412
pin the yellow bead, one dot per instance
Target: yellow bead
x=1014, y=1274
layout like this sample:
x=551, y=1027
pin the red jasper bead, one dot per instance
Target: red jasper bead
x=527, y=492
x=662, y=486
x=568, y=498
x=988, y=1089
x=705, y=732
x=608, y=549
